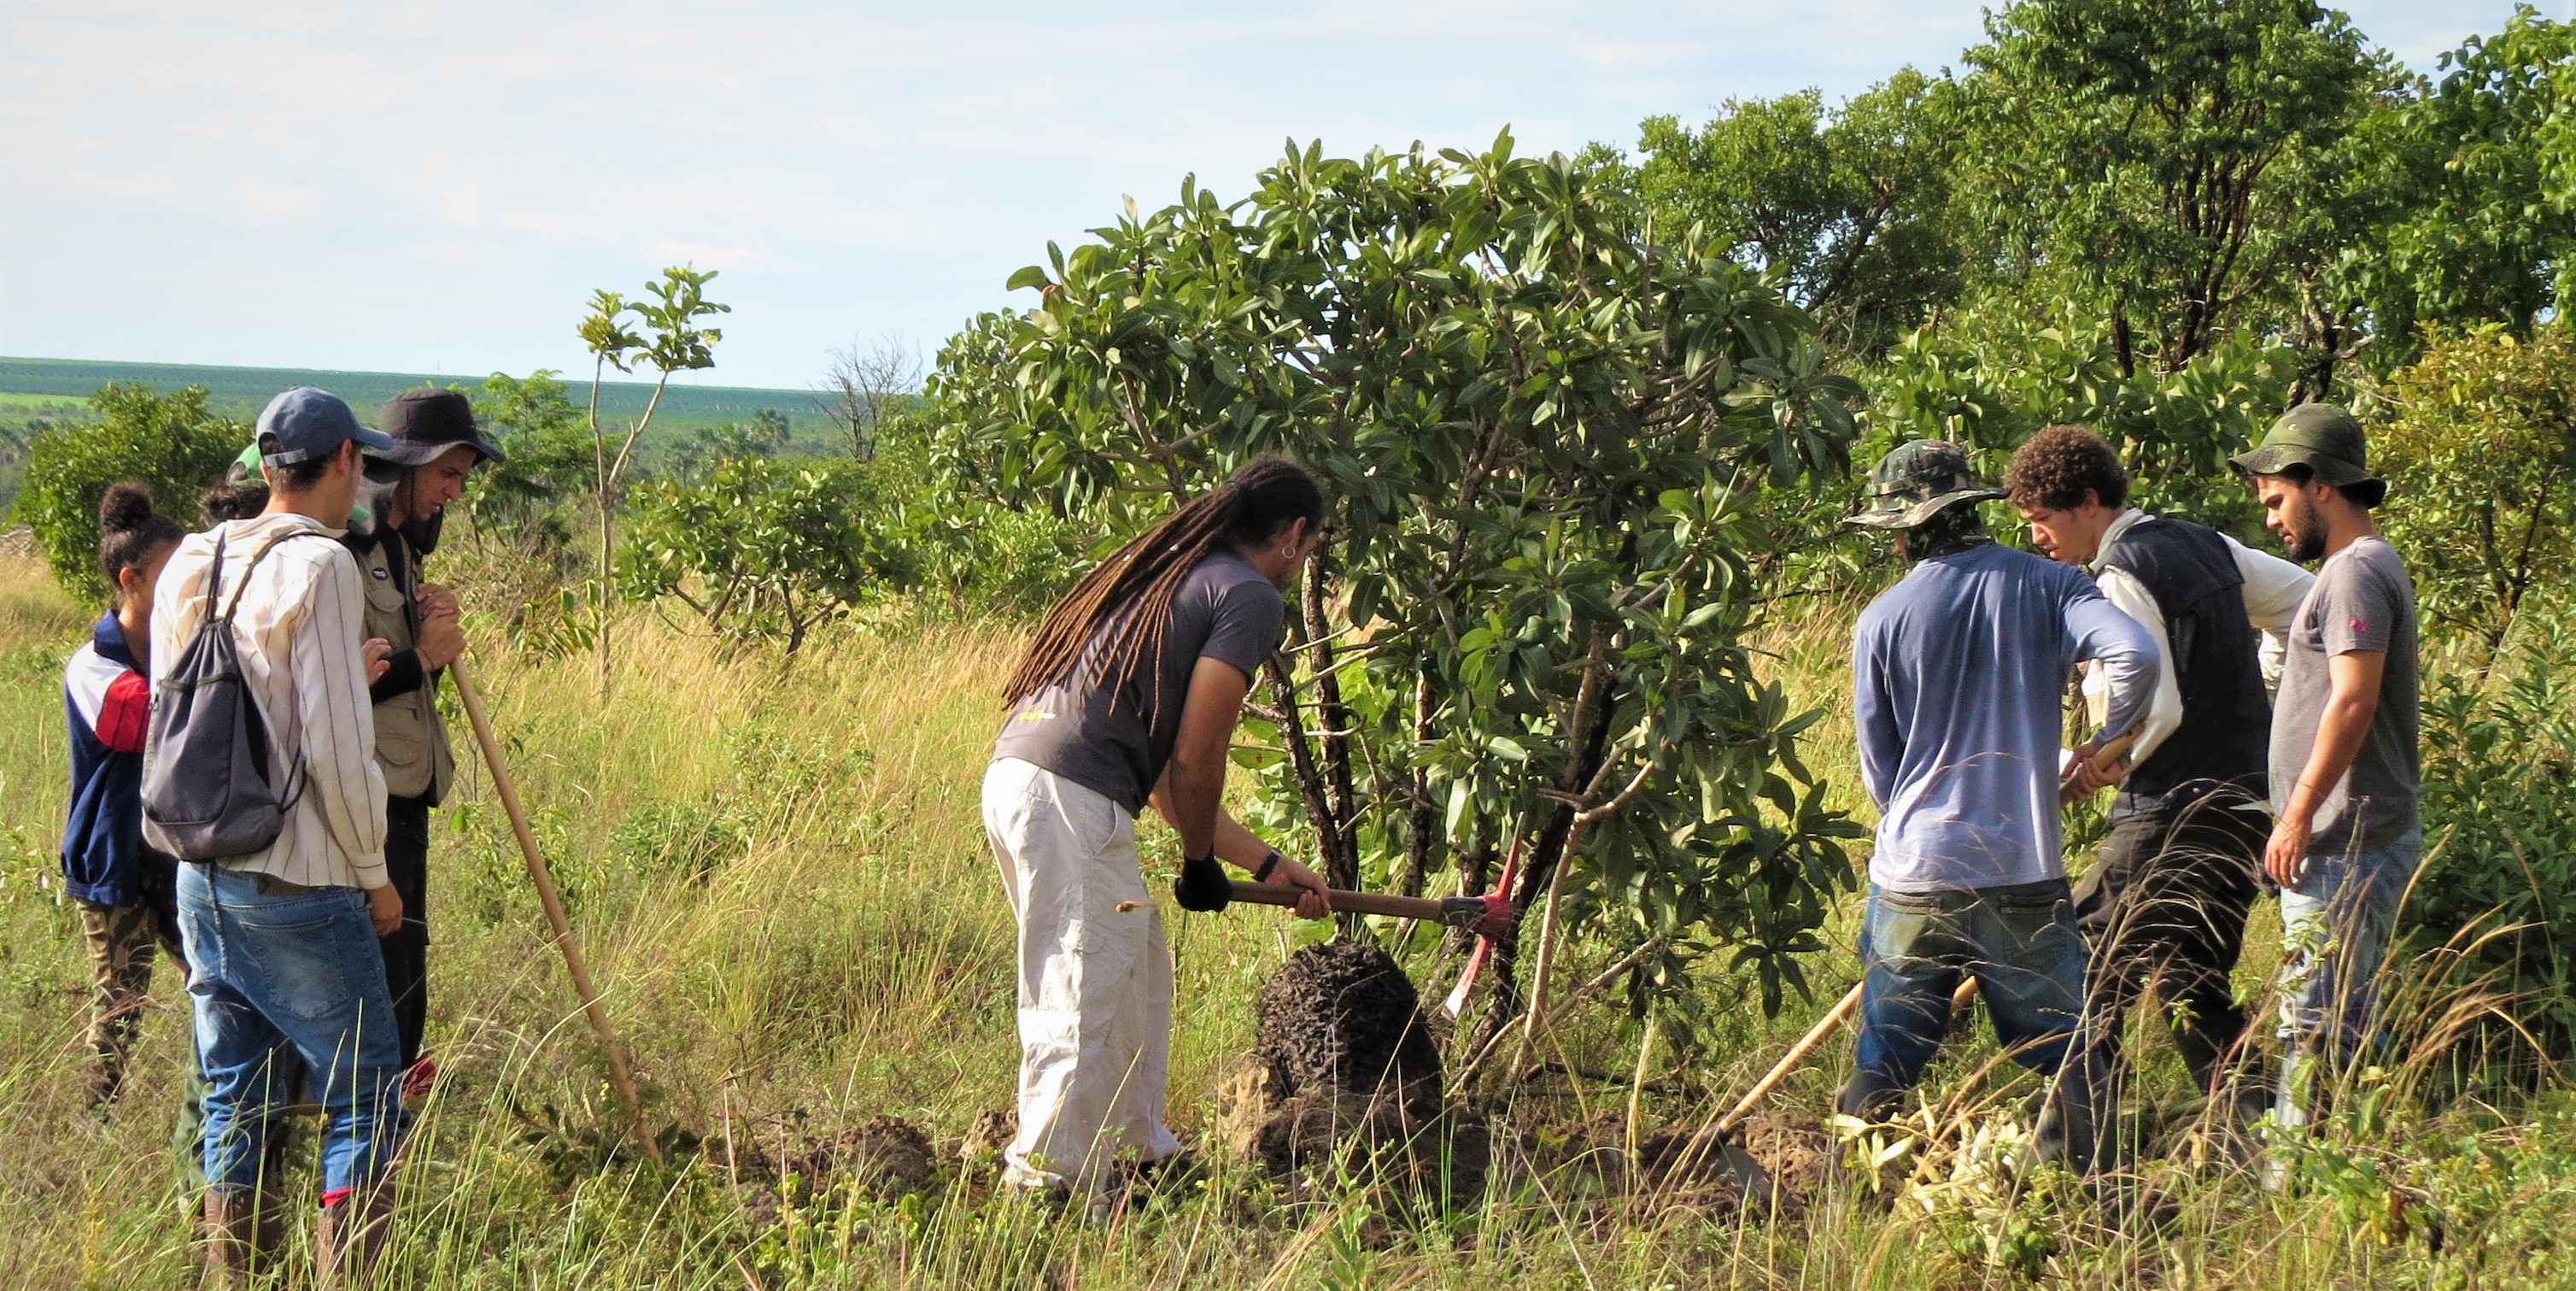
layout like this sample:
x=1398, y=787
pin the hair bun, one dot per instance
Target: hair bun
x=125, y=507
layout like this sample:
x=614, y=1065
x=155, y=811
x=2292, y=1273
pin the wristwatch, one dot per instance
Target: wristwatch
x=1261, y=872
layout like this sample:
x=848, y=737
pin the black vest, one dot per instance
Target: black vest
x=2226, y=726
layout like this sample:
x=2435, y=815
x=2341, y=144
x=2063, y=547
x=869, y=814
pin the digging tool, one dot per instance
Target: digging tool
x=1502, y=893
x=619, y=1074
x=2111, y=762
x=1487, y=915
x=1750, y=1176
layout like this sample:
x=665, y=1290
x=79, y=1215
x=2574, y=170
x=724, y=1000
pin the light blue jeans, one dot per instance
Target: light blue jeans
x=2336, y=926
x=271, y=973
x=2021, y=944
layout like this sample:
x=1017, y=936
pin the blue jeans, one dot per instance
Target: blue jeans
x=271, y=973
x=2336, y=926
x=2021, y=944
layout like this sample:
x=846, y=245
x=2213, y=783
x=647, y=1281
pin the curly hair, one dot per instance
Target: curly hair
x=2060, y=465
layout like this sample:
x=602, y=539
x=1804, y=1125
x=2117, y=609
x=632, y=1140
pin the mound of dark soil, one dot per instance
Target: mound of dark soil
x=1341, y=1019
x=1347, y=1078
x=981, y=1149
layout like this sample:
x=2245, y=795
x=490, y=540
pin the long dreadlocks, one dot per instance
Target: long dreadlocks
x=1126, y=601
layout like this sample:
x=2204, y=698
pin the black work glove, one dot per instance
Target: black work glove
x=1202, y=885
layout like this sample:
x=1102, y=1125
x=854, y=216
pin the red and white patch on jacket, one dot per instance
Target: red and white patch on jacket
x=113, y=699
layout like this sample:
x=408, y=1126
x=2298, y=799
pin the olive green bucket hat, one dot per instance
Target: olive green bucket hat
x=1917, y=481
x=2320, y=436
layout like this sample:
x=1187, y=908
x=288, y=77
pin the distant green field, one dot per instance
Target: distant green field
x=28, y=385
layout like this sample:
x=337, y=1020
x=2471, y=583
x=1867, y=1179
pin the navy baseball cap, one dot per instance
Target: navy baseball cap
x=310, y=423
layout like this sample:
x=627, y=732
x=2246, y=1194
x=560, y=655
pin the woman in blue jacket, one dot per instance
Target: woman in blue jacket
x=124, y=889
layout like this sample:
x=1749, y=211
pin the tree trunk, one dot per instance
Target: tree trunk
x=1339, y=834
x=1301, y=754
x=1424, y=816
x=1585, y=734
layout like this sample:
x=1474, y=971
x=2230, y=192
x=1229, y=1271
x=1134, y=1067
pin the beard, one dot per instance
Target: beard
x=2307, y=530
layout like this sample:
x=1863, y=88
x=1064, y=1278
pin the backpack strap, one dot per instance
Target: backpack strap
x=257, y=556
x=215, y=576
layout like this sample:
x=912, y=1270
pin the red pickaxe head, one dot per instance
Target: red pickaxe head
x=1489, y=915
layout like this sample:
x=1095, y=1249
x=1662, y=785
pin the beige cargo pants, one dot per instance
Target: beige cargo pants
x=1095, y=981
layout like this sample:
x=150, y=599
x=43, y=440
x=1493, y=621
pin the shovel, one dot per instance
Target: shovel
x=1751, y=1177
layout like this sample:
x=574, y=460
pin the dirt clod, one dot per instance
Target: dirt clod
x=992, y=1132
x=1690, y=1170
x=1342, y=1018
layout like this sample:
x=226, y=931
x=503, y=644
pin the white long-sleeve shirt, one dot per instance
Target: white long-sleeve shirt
x=2273, y=589
x=299, y=634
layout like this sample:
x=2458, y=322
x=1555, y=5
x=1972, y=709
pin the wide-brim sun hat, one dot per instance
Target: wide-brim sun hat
x=1917, y=481
x=424, y=423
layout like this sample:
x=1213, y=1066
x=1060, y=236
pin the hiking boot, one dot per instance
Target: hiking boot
x=243, y=1234
x=349, y=1238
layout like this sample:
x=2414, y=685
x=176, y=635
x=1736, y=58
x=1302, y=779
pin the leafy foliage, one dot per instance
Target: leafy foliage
x=666, y=333
x=168, y=442
x=2136, y=150
x=2480, y=436
x=1549, y=445
x=759, y=548
x=1850, y=207
x=2490, y=232
x=542, y=430
x=1995, y=378
x=2499, y=811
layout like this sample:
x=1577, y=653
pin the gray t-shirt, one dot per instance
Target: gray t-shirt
x=2362, y=601
x=1094, y=730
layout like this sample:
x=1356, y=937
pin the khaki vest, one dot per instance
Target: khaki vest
x=411, y=737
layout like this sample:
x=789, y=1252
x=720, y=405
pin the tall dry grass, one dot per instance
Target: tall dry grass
x=779, y=876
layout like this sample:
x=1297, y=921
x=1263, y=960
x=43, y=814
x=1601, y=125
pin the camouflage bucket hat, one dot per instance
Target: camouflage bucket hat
x=1916, y=482
x=2320, y=436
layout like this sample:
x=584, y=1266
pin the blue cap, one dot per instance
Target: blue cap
x=312, y=423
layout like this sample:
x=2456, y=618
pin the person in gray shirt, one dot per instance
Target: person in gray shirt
x=1129, y=696
x=2345, y=839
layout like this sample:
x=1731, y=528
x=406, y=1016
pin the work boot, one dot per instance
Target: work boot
x=349, y=1238
x=243, y=1234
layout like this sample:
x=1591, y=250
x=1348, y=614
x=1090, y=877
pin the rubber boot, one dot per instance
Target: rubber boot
x=243, y=1234
x=349, y=1239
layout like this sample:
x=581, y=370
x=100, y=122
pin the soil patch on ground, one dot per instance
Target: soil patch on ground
x=887, y=1158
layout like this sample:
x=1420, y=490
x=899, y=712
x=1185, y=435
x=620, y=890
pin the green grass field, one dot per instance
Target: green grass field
x=780, y=877
x=241, y=392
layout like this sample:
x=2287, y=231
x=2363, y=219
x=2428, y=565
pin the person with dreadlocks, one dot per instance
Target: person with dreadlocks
x=1956, y=677
x=1129, y=696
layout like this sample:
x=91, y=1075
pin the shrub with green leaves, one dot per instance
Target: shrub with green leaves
x=2478, y=441
x=757, y=548
x=169, y=443
x=2499, y=811
x=1550, y=443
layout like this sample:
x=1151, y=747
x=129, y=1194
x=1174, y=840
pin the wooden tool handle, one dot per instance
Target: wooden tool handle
x=1288, y=894
x=1842, y=1011
x=620, y=1075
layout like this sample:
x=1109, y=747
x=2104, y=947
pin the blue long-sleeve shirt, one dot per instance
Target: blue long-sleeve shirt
x=1956, y=677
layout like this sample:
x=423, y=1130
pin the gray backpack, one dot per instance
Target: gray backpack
x=206, y=794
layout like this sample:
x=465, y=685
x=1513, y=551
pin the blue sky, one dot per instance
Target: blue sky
x=438, y=188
